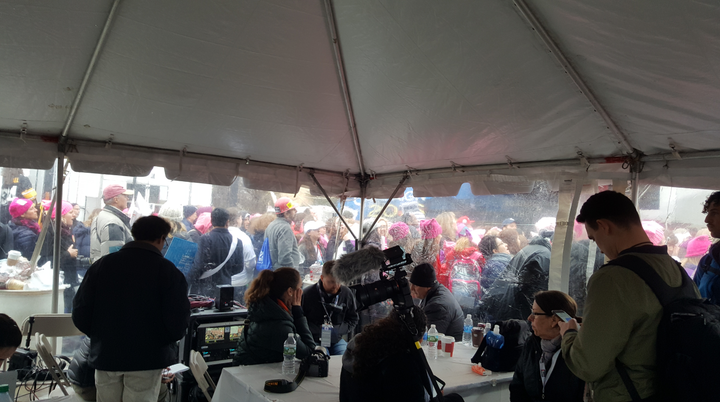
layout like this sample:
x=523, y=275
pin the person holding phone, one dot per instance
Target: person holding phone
x=541, y=372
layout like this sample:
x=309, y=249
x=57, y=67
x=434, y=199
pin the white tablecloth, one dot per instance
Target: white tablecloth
x=246, y=383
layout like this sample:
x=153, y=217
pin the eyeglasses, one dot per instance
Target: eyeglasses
x=535, y=314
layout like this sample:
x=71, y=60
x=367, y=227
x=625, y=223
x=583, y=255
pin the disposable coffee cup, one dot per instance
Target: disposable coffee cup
x=477, y=336
x=449, y=346
x=13, y=257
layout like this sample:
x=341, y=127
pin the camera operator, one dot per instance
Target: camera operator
x=10, y=337
x=382, y=363
x=328, y=302
x=436, y=301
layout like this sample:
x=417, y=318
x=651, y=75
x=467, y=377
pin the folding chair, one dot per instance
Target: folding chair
x=199, y=370
x=50, y=325
x=45, y=350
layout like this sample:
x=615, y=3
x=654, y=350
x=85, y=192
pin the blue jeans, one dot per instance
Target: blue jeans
x=338, y=348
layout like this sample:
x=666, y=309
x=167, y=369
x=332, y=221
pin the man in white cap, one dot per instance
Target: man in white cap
x=111, y=229
x=281, y=239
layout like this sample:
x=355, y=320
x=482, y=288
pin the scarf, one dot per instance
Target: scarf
x=34, y=226
x=549, y=347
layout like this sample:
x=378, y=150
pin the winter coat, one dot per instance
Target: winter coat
x=344, y=320
x=24, y=238
x=82, y=239
x=188, y=225
x=213, y=249
x=347, y=245
x=701, y=271
x=68, y=263
x=80, y=373
x=526, y=386
x=109, y=232
x=133, y=305
x=621, y=322
x=257, y=241
x=6, y=240
x=579, y=269
x=494, y=267
x=511, y=296
x=443, y=310
x=283, y=245
x=263, y=338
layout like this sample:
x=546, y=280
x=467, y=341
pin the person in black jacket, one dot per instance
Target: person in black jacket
x=383, y=364
x=133, y=305
x=24, y=226
x=439, y=305
x=541, y=373
x=328, y=301
x=216, y=261
x=68, y=252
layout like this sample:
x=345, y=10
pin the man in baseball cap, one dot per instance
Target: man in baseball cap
x=280, y=237
x=111, y=229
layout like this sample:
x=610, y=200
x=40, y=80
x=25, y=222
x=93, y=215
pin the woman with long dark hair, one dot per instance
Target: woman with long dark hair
x=68, y=252
x=274, y=310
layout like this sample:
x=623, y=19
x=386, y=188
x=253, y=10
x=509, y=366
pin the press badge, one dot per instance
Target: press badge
x=325, y=338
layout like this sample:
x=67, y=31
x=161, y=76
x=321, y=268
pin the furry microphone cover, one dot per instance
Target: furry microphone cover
x=353, y=265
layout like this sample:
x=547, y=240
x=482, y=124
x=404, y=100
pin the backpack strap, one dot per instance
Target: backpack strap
x=705, y=265
x=664, y=293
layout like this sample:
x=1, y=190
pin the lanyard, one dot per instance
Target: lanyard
x=543, y=376
x=322, y=303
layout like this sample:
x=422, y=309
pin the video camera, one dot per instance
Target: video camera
x=393, y=283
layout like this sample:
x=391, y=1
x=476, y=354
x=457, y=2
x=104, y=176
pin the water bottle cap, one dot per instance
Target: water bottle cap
x=4, y=388
x=469, y=316
x=496, y=329
x=432, y=326
x=291, y=334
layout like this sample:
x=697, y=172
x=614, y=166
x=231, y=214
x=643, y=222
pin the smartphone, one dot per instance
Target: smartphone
x=562, y=314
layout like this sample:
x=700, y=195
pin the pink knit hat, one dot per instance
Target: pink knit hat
x=698, y=246
x=430, y=229
x=66, y=207
x=19, y=206
x=398, y=230
x=655, y=232
x=203, y=223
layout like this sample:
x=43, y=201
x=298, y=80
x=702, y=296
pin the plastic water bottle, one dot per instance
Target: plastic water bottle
x=289, y=350
x=4, y=395
x=467, y=330
x=432, y=342
x=495, y=339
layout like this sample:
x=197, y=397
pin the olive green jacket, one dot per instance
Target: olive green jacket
x=621, y=321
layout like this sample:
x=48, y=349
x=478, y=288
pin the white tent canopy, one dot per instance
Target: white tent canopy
x=452, y=91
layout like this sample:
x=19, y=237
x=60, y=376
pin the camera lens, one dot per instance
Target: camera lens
x=367, y=295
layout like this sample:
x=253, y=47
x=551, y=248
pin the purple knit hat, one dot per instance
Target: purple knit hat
x=398, y=230
x=430, y=229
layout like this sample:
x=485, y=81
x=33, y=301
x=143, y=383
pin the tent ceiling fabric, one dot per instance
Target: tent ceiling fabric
x=431, y=84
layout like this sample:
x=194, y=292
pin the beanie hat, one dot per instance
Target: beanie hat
x=398, y=230
x=423, y=275
x=202, y=210
x=430, y=229
x=655, y=232
x=188, y=210
x=66, y=207
x=203, y=223
x=508, y=221
x=171, y=211
x=19, y=206
x=698, y=246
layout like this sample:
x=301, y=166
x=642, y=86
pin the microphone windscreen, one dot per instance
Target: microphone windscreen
x=353, y=265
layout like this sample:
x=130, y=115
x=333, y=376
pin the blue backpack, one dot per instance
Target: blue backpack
x=264, y=261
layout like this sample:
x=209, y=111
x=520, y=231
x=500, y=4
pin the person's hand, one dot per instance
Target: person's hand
x=297, y=301
x=167, y=377
x=73, y=251
x=566, y=326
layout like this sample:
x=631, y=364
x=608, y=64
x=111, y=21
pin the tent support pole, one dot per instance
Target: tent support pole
x=635, y=194
x=327, y=197
x=363, y=193
x=90, y=68
x=344, y=86
x=382, y=211
x=530, y=18
x=58, y=228
x=568, y=199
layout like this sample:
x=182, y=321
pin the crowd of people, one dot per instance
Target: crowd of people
x=458, y=268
